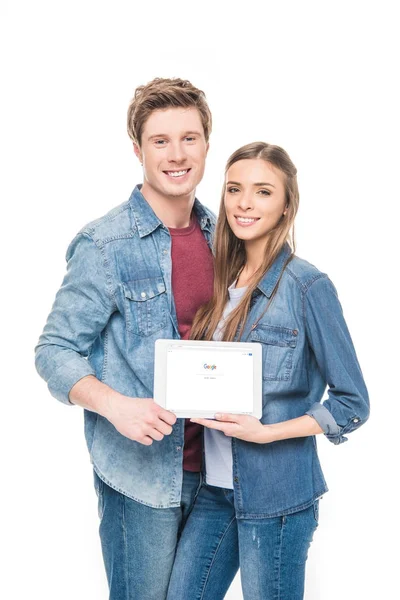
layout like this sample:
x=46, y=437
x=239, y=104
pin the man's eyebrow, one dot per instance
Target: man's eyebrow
x=157, y=135
x=258, y=184
x=165, y=135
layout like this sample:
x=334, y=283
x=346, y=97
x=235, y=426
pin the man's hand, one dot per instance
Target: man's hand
x=139, y=419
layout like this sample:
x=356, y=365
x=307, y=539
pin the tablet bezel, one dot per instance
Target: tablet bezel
x=160, y=374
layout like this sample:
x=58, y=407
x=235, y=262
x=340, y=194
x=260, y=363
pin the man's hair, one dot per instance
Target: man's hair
x=161, y=94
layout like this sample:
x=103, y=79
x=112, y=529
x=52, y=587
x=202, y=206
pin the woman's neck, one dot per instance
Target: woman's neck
x=255, y=253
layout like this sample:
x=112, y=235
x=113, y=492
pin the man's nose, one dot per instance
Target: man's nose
x=176, y=153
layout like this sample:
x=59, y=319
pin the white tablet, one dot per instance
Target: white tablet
x=199, y=379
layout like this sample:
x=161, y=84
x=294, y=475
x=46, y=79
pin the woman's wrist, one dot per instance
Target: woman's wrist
x=299, y=427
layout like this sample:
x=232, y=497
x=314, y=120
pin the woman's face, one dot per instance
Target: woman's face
x=254, y=198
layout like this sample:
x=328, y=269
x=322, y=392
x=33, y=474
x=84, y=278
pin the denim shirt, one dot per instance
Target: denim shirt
x=116, y=300
x=306, y=347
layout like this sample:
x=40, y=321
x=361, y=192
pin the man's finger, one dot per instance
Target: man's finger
x=166, y=416
x=163, y=427
x=145, y=440
x=156, y=435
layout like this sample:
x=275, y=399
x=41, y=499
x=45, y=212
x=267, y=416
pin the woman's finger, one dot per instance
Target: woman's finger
x=211, y=424
x=228, y=417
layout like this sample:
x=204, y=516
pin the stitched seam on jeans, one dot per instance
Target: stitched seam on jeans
x=280, y=559
x=213, y=558
x=125, y=538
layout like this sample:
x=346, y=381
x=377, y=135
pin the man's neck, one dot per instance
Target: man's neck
x=173, y=211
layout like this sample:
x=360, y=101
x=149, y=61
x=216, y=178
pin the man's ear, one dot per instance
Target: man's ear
x=137, y=152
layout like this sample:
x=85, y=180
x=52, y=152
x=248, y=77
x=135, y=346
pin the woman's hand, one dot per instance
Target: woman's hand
x=250, y=429
x=243, y=427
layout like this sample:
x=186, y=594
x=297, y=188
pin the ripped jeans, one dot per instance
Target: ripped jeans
x=271, y=553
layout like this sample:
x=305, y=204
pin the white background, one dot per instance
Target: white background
x=320, y=79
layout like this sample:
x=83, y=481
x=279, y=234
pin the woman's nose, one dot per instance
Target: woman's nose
x=245, y=202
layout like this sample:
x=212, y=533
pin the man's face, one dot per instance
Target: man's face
x=173, y=151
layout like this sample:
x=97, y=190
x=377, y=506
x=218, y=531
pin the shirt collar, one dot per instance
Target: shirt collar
x=271, y=278
x=147, y=221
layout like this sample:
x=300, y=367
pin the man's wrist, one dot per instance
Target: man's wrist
x=94, y=395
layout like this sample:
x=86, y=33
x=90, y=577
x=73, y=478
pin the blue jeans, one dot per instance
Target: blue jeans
x=271, y=553
x=139, y=542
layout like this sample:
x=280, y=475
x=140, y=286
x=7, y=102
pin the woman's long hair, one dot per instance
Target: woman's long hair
x=229, y=251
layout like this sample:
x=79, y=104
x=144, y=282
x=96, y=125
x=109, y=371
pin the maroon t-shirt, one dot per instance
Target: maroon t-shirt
x=192, y=286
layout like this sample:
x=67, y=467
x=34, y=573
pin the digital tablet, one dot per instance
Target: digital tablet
x=199, y=379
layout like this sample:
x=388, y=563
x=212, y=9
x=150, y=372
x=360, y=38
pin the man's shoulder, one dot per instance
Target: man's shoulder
x=115, y=224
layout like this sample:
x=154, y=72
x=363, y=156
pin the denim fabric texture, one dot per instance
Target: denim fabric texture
x=139, y=542
x=272, y=553
x=116, y=300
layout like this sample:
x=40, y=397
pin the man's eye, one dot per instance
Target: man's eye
x=190, y=138
x=233, y=190
x=160, y=142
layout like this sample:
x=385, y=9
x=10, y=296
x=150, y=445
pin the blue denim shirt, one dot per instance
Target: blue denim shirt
x=306, y=347
x=116, y=300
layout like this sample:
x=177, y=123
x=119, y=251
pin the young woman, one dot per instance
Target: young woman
x=258, y=506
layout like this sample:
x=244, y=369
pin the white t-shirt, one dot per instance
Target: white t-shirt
x=218, y=446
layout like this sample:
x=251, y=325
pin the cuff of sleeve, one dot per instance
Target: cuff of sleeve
x=327, y=423
x=66, y=377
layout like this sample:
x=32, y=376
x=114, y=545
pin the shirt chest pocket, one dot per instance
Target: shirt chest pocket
x=146, y=305
x=278, y=344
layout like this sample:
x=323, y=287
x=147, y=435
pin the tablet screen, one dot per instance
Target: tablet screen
x=213, y=379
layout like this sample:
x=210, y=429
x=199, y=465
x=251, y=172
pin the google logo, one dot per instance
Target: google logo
x=209, y=367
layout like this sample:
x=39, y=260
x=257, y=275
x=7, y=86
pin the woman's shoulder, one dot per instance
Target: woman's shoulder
x=303, y=273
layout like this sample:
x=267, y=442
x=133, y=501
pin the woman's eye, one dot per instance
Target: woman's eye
x=264, y=192
x=232, y=190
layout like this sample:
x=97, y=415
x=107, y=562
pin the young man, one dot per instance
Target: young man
x=138, y=274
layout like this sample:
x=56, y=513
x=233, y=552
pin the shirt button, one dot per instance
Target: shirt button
x=236, y=479
x=295, y=332
x=179, y=447
x=143, y=294
x=355, y=420
x=165, y=252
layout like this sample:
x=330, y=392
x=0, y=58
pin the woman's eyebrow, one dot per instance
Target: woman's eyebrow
x=264, y=183
x=258, y=184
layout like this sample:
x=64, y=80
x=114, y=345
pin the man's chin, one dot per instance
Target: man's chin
x=177, y=191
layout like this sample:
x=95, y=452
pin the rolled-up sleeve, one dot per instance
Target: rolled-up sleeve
x=81, y=310
x=347, y=405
